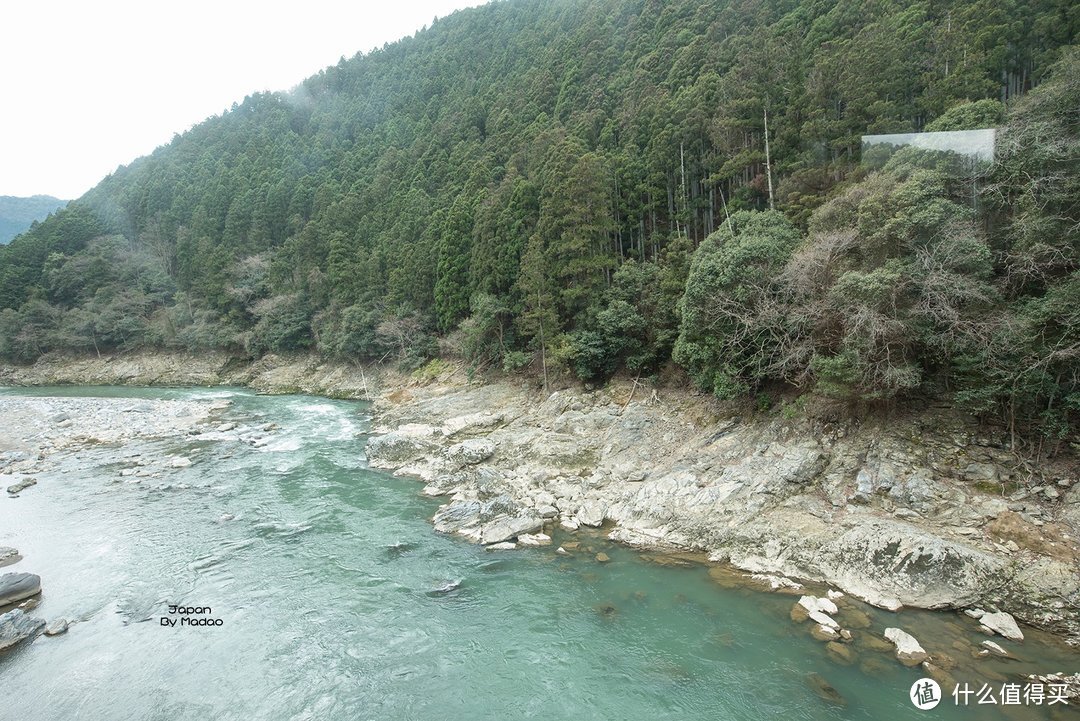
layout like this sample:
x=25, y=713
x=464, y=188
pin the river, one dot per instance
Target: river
x=336, y=600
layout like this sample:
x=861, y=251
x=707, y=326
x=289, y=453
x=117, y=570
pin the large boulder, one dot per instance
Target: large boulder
x=1003, y=624
x=506, y=528
x=17, y=586
x=408, y=443
x=473, y=422
x=16, y=626
x=57, y=627
x=809, y=604
x=493, y=521
x=908, y=649
x=591, y=514
x=471, y=452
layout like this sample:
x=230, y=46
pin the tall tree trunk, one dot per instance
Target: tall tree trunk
x=768, y=160
x=543, y=344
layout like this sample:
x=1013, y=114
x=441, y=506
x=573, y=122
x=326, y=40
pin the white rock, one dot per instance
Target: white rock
x=226, y=427
x=472, y=451
x=813, y=603
x=180, y=462
x=834, y=596
x=777, y=582
x=569, y=524
x=995, y=649
x=506, y=528
x=974, y=612
x=908, y=649
x=1002, y=623
x=474, y=421
x=824, y=619
x=824, y=633
x=534, y=539
x=504, y=546
x=591, y=514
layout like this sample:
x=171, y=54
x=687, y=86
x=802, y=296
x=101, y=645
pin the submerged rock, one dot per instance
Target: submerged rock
x=607, y=610
x=16, y=626
x=841, y=652
x=21, y=486
x=825, y=690
x=444, y=588
x=9, y=556
x=17, y=586
x=908, y=649
x=397, y=549
x=821, y=632
x=57, y=627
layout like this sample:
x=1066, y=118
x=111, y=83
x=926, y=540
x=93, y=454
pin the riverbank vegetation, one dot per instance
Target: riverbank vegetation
x=589, y=187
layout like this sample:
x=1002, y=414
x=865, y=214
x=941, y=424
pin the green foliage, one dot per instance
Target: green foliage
x=553, y=182
x=283, y=324
x=431, y=370
x=728, y=312
x=987, y=113
x=486, y=333
x=515, y=361
x=452, y=274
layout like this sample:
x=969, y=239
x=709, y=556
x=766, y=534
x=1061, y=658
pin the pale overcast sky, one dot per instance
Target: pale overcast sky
x=89, y=85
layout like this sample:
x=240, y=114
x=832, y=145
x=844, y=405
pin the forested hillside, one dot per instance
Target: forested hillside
x=582, y=187
x=17, y=214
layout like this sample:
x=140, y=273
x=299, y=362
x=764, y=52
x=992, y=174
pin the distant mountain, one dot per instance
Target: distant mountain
x=16, y=214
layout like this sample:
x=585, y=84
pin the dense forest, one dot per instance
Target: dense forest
x=588, y=187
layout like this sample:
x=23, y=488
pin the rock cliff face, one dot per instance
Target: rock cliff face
x=919, y=511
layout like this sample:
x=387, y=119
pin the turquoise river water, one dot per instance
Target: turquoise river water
x=326, y=585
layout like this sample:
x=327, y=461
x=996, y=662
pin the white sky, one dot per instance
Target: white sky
x=88, y=85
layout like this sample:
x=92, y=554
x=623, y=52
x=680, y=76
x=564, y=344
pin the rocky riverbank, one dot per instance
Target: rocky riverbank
x=40, y=437
x=270, y=374
x=923, y=510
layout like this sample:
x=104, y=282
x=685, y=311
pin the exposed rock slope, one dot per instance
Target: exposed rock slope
x=919, y=511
